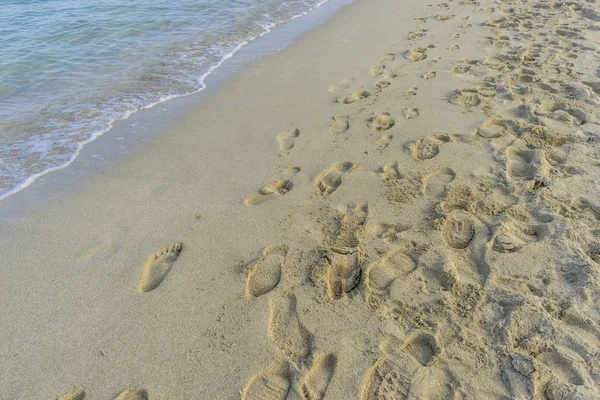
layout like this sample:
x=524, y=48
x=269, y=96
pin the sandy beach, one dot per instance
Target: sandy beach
x=403, y=204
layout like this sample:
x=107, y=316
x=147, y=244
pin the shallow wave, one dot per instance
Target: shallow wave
x=98, y=68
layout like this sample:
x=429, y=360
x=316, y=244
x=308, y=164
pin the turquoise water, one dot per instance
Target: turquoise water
x=70, y=68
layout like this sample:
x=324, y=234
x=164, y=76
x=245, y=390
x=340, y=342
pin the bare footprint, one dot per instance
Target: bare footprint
x=388, y=57
x=460, y=69
x=422, y=346
x=386, y=380
x=158, y=266
x=411, y=92
x=521, y=164
x=382, y=84
x=286, y=139
x=493, y=128
x=351, y=98
x=274, y=188
x=271, y=384
x=342, y=85
x=330, y=179
x=382, y=121
x=264, y=276
x=417, y=54
x=496, y=63
x=343, y=273
x=347, y=237
x=315, y=383
x=458, y=230
x=467, y=97
x=377, y=70
x=506, y=243
x=435, y=184
x=77, y=394
x=417, y=34
x=410, y=113
x=287, y=332
x=390, y=171
x=340, y=125
x=133, y=394
x=395, y=265
x=383, y=142
x=428, y=147
x=343, y=270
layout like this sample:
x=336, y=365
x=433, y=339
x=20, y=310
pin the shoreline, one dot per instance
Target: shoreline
x=309, y=20
x=400, y=204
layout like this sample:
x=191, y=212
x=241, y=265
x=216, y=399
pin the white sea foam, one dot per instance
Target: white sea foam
x=35, y=144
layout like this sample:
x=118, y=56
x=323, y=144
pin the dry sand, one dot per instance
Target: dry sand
x=402, y=204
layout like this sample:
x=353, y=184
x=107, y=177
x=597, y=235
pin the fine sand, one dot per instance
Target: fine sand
x=402, y=204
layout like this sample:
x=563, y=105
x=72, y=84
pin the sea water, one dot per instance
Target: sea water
x=69, y=69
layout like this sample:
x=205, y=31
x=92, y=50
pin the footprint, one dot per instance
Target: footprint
x=384, y=142
x=286, y=139
x=315, y=383
x=343, y=269
x=417, y=34
x=387, y=232
x=418, y=54
x=493, y=128
x=330, y=179
x=351, y=226
x=460, y=69
x=501, y=41
x=343, y=273
x=382, y=84
x=342, y=85
x=518, y=370
x=429, y=75
x=133, y=394
x=496, y=63
x=377, y=70
x=395, y=265
x=458, y=230
x=423, y=347
x=506, y=243
x=274, y=188
x=445, y=17
x=390, y=171
x=77, y=394
x=158, y=266
x=386, y=380
x=388, y=57
x=428, y=147
x=266, y=273
x=435, y=184
x=287, y=332
x=411, y=92
x=351, y=98
x=271, y=384
x=382, y=121
x=563, y=366
x=410, y=113
x=520, y=164
x=514, y=234
x=340, y=125
x=467, y=97
x=560, y=112
x=446, y=274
